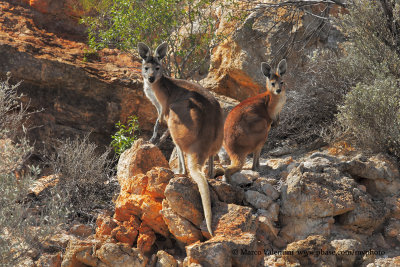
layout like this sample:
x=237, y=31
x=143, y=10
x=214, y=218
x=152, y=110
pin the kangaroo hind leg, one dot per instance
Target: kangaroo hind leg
x=256, y=159
x=236, y=165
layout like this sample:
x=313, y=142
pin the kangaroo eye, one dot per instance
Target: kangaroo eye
x=281, y=83
x=146, y=68
x=273, y=84
x=157, y=68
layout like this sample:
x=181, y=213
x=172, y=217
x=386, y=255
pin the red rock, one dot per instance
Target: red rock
x=182, y=229
x=146, y=238
x=49, y=260
x=105, y=225
x=139, y=159
x=81, y=230
x=141, y=196
x=79, y=253
x=127, y=231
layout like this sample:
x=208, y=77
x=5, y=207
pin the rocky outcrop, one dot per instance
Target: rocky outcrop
x=262, y=36
x=315, y=209
x=77, y=91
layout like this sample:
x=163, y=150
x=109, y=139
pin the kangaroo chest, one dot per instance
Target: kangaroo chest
x=275, y=106
x=148, y=91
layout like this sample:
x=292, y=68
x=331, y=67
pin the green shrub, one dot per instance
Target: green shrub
x=189, y=28
x=371, y=110
x=125, y=135
x=372, y=114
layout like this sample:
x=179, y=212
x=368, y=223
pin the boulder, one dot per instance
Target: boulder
x=393, y=203
x=184, y=195
x=316, y=195
x=244, y=177
x=264, y=186
x=367, y=216
x=234, y=242
x=165, y=260
x=146, y=238
x=127, y=231
x=139, y=159
x=123, y=255
x=393, y=229
x=257, y=200
x=345, y=251
x=267, y=220
x=379, y=174
x=105, y=225
x=47, y=50
x=58, y=241
x=385, y=262
x=142, y=196
x=181, y=228
x=79, y=253
x=313, y=251
x=81, y=230
x=226, y=192
x=294, y=228
x=49, y=260
x=235, y=63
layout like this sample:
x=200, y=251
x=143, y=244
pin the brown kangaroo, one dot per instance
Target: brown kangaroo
x=247, y=125
x=193, y=115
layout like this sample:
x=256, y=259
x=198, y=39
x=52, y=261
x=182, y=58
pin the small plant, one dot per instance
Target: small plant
x=370, y=113
x=84, y=176
x=125, y=135
x=90, y=55
x=23, y=221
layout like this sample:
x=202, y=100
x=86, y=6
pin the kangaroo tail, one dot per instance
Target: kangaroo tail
x=200, y=179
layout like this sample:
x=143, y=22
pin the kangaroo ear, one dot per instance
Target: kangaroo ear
x=161, y=51
x=144, y=50
x=266, y=69
x=282, y=67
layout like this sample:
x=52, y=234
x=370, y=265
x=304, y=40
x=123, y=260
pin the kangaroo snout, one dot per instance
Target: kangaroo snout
x=152, y=79
x=279, y=91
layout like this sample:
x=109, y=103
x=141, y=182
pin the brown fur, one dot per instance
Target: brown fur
x=193, y=116
x=194, y=119
x=247, y=125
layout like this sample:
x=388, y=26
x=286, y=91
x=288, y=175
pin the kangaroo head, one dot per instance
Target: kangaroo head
x=275, y=82
x=152, y=69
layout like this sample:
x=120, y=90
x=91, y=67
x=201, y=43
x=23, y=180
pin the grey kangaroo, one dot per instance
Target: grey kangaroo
x=193, y=115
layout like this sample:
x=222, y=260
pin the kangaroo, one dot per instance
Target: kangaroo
x=150, y=95
x=193, y=115
x=150, y=72
x=247, y=125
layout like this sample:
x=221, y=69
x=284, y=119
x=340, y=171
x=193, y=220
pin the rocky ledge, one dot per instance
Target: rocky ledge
x=330, y=207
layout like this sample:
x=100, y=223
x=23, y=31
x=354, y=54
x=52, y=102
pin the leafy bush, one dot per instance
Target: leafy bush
x=126, y=135
x=372, y=114
x=189, y=27
x=371, y=110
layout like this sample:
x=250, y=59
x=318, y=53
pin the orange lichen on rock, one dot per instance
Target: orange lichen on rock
x=146, y=238
x=142, y=203
x=105, y=225
x=127, y=231
x=139, y=159
x=227, y=76
x=341, y=148
x=137, y=214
